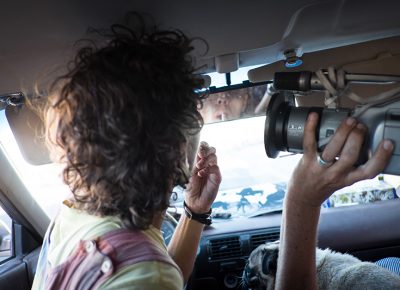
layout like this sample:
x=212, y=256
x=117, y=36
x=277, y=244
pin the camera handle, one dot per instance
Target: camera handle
x=334, y=82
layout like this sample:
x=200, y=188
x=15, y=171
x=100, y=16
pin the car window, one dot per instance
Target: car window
x=5, y=236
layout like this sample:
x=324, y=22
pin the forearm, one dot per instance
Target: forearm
x=296, y=263
x=313, y=182
x=184, y=244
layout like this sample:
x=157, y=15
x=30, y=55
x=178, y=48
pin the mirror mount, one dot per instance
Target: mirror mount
x=243, y=85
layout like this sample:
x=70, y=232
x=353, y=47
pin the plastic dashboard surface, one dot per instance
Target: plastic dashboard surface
x=368, y=231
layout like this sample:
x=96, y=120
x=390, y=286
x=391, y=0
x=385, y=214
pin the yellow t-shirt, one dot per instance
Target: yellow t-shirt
x=73, y=225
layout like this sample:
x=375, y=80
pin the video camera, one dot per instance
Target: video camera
x=284, y=125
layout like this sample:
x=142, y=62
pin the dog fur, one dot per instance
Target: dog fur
x=334, y=270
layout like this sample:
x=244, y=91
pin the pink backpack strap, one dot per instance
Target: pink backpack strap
x=94, y=261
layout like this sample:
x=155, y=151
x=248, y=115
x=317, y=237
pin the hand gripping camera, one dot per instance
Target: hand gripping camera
x=284, y=125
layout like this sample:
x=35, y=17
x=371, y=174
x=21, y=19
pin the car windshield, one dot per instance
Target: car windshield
x=252, y=183
x=250, y=180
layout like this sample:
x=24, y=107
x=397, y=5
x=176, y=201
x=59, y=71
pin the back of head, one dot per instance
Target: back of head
x=120, y=118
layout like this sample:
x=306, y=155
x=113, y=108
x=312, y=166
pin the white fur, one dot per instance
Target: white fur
x=343, y=271
x=335, y=271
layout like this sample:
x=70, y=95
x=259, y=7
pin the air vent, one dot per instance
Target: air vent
x=262, y=238
x=229, y=247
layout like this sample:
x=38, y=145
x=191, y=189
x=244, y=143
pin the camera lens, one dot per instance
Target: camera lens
x=275, y=134
x=285, y=123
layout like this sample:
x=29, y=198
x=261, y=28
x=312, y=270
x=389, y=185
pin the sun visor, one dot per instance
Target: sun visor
x=27, y=128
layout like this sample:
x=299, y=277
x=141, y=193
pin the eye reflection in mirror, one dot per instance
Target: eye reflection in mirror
x=234, y=104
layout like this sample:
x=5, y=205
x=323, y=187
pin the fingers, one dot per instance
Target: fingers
x=350, y=152
x=207, y=161
x=212, y=170
x=375, y=165
x=313, y=180
x=309, y=142
x=206, y=158
x=334, y=147
x=205, y=150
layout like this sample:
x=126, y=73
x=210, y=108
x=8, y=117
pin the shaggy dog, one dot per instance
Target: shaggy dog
x=335, y=271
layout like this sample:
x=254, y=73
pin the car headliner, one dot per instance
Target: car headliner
x=37, y=36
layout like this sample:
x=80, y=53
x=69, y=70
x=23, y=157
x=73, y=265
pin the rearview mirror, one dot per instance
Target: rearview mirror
x=235, y=102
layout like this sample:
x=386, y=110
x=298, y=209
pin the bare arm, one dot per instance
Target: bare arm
x=310, y=185
x=199, y=196
x=297, y=247
x=184, y=243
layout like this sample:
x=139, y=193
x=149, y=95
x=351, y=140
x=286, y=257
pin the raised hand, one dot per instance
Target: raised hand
x=205, y=180
x=316, y=176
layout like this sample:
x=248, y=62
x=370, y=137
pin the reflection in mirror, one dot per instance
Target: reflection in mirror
x=231, y=104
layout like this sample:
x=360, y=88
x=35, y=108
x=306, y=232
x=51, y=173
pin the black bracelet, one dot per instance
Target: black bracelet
x=203, y=218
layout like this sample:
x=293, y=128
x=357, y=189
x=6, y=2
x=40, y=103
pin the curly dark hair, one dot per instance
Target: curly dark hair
x=121, y=118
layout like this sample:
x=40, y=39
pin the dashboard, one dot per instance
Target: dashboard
x=369, y=232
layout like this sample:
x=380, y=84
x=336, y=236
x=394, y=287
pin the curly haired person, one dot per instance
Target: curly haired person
x=119, y=122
